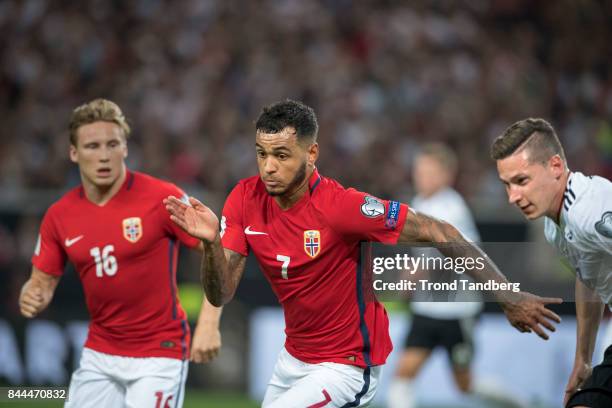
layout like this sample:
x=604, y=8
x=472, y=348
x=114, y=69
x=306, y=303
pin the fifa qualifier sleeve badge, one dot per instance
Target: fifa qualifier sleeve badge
x=372, y=207
x=604, y=226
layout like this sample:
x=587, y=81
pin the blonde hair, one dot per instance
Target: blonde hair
x=95, y=111
x=443, y=155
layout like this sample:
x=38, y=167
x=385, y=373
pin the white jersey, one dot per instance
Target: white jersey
x=447, y=205
x=584, y=233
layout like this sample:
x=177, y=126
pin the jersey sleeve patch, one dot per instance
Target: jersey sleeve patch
x=37, y=247
x=604, y=225
x=392, y=215
x=372, y=207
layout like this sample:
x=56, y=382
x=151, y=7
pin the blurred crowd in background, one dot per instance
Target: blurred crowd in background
x=383, y=76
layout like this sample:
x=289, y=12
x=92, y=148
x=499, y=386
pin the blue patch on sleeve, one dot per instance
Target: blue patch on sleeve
x=392, y=215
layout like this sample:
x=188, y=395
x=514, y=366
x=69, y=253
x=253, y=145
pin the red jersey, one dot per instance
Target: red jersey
x=125, y=253
x=310, y=254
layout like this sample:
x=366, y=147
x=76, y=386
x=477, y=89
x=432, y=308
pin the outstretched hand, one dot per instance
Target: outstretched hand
x=195, y=219
x=528, y=313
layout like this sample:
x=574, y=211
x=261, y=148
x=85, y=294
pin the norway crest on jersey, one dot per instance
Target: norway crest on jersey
x=312, y=243
x=132, y=229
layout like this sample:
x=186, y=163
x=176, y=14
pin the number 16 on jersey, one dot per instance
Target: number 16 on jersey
x=106, y=263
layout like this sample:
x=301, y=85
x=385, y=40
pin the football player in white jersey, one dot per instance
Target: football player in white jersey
x=578, y=210
x=449, y=325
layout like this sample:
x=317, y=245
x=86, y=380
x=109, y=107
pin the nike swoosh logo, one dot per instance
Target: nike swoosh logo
x=248, y=231
x=70, y=242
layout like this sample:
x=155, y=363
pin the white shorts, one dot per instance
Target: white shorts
x=303, y=385
x=105, y=380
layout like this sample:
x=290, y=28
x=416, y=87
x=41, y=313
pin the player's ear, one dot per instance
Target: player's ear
x=74, y=156
x=313, y=153
x=557, y=165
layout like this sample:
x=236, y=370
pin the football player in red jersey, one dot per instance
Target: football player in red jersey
x=115, y=231
x=305, y=231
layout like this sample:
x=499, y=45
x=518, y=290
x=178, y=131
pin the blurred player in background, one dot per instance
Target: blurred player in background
x=115, y=231
x=578, y=223
x=437, y=323
x=305, y=231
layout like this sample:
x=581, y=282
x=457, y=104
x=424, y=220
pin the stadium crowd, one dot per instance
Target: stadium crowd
x=192, y=76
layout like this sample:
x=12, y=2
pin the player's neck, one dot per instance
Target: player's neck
x=288, y=200
x=555, y=213
x=100, y=195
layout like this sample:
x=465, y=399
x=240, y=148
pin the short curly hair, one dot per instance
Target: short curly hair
x=289, y=113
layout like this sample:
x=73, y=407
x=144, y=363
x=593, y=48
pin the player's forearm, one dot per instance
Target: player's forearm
x=462, y=248
x=210, y=315
x=43, y=278
x=37, y=292
x=449, y=241
x=589, y=310
x=213, y=273
x=46, y=282
x=218, y=274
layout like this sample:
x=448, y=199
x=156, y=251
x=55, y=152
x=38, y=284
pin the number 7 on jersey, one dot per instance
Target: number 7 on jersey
x=285, y=260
